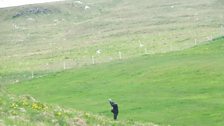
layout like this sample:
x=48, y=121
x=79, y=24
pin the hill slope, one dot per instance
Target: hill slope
x=180, y=88
x=40, y=38
x=27, y=111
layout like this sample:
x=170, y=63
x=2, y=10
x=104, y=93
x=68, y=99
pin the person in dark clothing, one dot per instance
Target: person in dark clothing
x=114, y=108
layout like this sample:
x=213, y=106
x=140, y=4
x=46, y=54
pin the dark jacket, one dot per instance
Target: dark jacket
x=115, y=107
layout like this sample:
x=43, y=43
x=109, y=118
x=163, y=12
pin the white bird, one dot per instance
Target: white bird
x=78, y=2
x=98, y=51
x=140, y=45
x=86, y=7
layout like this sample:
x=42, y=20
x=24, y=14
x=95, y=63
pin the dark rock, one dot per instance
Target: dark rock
x=32, y=11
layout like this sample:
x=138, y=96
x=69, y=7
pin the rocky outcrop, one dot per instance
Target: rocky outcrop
x=33, y=10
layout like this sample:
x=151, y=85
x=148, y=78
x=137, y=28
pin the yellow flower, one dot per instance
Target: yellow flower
x=35, y=106
x=14, y=105
x=38, y=106
x=58, y=114
x=25, y=103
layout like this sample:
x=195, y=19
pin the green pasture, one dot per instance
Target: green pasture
x=41, y=42
x=179, y=88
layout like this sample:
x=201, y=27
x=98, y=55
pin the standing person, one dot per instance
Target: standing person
x=114, y=108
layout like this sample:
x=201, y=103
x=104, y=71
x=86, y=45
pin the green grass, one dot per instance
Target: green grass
x=70, y=33
x=179, y=88
x=27, y=111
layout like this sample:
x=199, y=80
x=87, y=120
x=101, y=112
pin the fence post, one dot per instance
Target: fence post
x=64, y=65
x=93, y=61
x=120, y=57
x=32, y=75
x=195, y=42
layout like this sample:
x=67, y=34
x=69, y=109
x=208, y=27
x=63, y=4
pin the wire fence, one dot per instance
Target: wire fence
x=141, y=48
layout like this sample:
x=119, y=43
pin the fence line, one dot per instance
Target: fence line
x=68, y=63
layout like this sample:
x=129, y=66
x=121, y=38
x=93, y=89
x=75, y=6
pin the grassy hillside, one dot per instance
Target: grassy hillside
x=27, y=111
x=179, y=88
x=40, y=38
x=176, y=88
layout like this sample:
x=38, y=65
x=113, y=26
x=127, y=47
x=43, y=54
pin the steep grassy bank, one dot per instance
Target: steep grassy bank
x=40, y=38
x=180, y=88
x=27, y=111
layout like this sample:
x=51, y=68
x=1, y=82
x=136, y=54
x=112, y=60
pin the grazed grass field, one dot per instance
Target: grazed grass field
x=42, y=37
x=167, y=87
x=179, y=88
